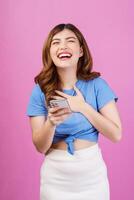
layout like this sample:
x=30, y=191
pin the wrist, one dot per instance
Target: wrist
x=84, y=106
x=50, y=123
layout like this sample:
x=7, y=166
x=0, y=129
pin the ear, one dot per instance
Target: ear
x=81, y=51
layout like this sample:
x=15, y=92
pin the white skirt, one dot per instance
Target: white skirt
x=82, y=176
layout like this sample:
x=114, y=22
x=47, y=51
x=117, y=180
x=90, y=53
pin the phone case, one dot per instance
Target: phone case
x=57, y=102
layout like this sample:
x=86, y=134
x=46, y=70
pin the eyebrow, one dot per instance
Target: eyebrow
x=65, y=38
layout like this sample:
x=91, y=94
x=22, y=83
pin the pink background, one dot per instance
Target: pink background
x=108, y=28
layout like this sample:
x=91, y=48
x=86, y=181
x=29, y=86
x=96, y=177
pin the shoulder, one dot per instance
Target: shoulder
x=37, y=92
x=36, y=88
x=37, y=104
x=101, y=85
x=99, y=81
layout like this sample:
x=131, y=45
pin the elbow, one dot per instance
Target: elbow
x=42, y=151
x=38, y=148
x=37, y=145
x=117, y=139
x=118, y=136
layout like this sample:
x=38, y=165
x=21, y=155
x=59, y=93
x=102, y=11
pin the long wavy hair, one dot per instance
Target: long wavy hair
x=48, y=79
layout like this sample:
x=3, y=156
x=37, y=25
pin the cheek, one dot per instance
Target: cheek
x=76, y=51
x=52, y=52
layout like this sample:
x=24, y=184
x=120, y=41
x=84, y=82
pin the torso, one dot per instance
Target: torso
x=77, y=118
x=78, y=144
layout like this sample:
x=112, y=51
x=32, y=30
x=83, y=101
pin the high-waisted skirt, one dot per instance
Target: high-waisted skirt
x=82, y=176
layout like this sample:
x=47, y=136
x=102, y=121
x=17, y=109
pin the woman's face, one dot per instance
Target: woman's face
x=65, y=49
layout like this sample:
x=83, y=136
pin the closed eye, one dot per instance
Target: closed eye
x=55, y=43
x=71, y=41
x=59, y=42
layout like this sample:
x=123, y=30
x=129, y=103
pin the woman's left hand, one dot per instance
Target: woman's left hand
x=75, y=102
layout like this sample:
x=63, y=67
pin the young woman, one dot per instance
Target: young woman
x=73, y=168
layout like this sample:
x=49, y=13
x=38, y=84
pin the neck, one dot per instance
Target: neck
x=67, y=77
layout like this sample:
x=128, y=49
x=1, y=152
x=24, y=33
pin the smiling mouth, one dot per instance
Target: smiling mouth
x=63, y=58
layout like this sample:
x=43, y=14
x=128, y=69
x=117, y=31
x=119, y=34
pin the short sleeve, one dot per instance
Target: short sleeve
x=104, y=93
x=36, y=105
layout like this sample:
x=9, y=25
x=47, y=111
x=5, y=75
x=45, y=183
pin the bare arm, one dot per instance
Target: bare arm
x=106, y=122
x=42, y=133
x=43, y=128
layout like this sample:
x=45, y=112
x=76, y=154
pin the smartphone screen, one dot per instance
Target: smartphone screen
x=62, y=103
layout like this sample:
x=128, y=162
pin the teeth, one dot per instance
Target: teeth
x=64, y=55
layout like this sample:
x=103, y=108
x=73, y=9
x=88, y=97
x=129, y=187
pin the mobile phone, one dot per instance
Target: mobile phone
x=62, y=103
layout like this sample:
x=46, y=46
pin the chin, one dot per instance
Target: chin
x=65, y=65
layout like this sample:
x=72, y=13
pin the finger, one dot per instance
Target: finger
x=57, y=97
x=77, y=90
x=57, y=109
x=62, y=112
x=61, y=117
x=62, y=94
x=54, y=109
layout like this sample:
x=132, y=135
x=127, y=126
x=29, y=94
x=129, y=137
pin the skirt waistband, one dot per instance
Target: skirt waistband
x=58, y=154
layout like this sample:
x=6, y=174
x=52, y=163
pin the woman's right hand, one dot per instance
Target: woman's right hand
x=57, y=115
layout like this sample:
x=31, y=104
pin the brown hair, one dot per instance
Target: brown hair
x=48, y=78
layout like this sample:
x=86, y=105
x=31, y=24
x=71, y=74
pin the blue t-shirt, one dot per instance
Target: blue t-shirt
x=96, y=92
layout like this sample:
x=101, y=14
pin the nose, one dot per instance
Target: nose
x=63, y=45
